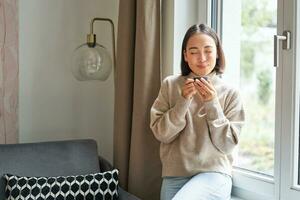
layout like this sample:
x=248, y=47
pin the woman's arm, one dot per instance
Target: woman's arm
x=167, y=121
x=225, y=126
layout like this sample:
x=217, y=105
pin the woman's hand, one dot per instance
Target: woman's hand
x=188, y=90
x=205, y=89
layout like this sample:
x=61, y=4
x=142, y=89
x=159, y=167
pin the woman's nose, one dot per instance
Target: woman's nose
x=201, y=57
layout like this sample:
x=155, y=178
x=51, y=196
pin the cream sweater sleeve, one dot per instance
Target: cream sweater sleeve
x=225, y=126
x=167, y=120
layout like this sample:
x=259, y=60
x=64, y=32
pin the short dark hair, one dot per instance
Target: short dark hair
x=202, y=28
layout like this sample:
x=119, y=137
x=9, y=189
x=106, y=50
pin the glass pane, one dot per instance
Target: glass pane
x=253, y=65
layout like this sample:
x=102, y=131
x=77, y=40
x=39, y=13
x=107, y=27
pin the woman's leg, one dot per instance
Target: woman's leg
x=206, y=186
x=171, y=185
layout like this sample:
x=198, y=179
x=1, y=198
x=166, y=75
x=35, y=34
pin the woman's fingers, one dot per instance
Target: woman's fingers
x=207, y=83
x=188, y=90
x=188, y=93
x=205, y=89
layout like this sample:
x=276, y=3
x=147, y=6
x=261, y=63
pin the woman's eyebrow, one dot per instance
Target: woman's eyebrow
x=205, y=47
x=192, y=48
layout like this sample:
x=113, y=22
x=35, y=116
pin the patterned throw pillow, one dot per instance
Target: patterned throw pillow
x=84, y=187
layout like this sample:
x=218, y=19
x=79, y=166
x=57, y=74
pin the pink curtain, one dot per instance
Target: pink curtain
x=9, y=71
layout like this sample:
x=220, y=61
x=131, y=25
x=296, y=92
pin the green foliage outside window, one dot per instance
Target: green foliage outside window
x=257, y=140
x=264, y=86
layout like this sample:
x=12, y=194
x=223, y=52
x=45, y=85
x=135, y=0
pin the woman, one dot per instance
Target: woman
x=198, y=119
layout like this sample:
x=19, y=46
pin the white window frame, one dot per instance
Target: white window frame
x=289, y=136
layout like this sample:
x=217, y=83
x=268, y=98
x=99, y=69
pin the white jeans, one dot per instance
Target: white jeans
x=203, y=186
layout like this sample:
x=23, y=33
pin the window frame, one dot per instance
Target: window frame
x=290, y=103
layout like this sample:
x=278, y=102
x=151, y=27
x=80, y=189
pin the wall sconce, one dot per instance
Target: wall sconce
x=92, y=61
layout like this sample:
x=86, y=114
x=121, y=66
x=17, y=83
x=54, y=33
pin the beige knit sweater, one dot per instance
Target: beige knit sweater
x=196, y=136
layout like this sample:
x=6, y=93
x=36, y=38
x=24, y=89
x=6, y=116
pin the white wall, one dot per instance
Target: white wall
x=53, y=105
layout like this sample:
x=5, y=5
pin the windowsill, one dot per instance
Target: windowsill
x=251, y=185
x=235, y=198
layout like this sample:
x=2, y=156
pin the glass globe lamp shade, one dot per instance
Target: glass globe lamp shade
x=91, y=63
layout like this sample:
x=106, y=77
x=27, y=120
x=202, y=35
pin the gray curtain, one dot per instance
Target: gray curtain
x=137, y=82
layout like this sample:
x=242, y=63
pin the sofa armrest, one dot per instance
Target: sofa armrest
x=123, y=195
x=106, y=166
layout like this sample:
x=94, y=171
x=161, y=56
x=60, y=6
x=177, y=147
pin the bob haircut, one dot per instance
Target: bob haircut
x=204, y=29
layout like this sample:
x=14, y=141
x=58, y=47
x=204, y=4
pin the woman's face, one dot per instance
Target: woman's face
x=201, y=54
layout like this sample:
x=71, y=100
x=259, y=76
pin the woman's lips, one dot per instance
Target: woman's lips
x=201, y=66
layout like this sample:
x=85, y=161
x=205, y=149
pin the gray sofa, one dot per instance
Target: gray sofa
x=59, y=158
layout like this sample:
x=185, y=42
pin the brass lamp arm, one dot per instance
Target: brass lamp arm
x=91, y=38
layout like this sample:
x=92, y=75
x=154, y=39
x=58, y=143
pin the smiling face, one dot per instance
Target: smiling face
x=200, y=54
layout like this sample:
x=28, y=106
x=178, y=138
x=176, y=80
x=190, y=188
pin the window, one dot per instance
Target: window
x=268, y=161
x=250, y=58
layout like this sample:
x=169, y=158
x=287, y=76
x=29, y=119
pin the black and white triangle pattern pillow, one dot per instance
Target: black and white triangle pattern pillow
x=102, y=186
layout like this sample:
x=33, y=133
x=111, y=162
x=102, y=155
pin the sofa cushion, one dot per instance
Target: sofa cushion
x=91, y=186
x=61, y=158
